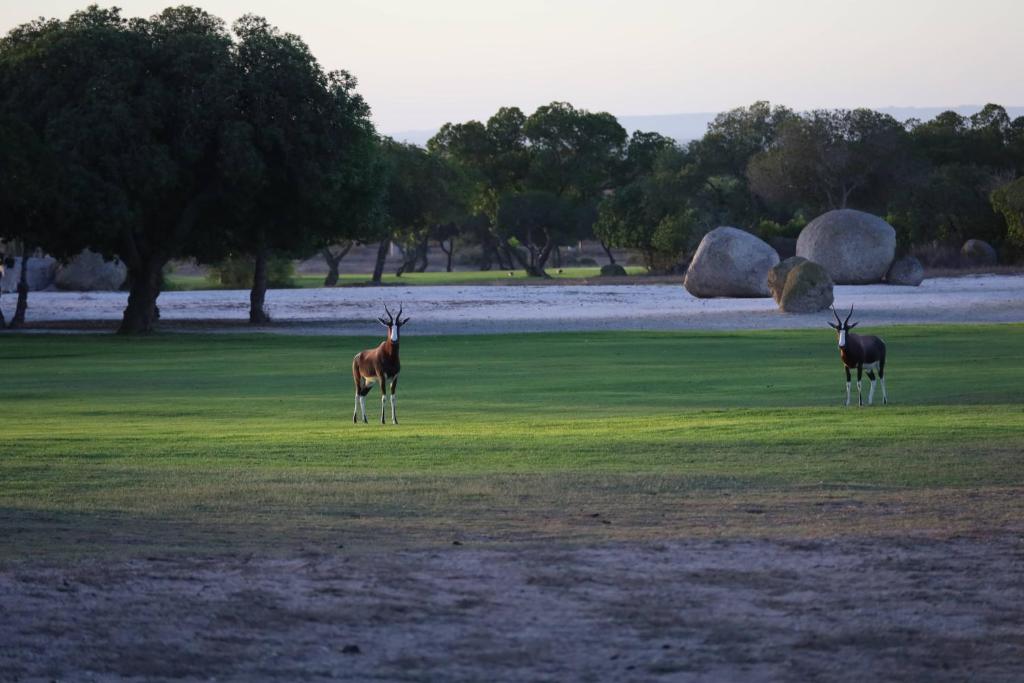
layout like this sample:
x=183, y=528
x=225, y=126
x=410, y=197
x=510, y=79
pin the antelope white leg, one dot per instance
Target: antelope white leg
x=871, y=392
x=355, y=409
x=394, y=418
x=885, y=396
x=362, y=406
x=847, y=393
x=860, y=398
x=383, y=407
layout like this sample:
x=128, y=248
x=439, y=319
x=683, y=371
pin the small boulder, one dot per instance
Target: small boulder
x=853, y=246
x=612, y=270
x=808, y=289
x=979, y=253
x=730, y=262
x=777, y=276
x=41, y=271
x=90, y=272
x=906, y=271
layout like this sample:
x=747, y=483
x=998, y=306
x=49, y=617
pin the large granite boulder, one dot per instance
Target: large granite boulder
x=979, y=253
x=853, y=246
x=730, y=262
x=90, y=272
x=906, y=271
x=808, y=289
x=41, y=271
x=778, y=274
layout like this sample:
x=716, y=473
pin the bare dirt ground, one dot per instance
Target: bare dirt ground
x=455, y=309
x=856, y=609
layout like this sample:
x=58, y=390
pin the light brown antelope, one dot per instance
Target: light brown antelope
x=860, y=352
x=379, y=365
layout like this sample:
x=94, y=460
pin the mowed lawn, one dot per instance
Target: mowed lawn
x=459, y=277
x=223, y=443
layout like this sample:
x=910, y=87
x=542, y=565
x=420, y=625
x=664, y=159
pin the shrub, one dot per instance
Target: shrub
x=236, y=272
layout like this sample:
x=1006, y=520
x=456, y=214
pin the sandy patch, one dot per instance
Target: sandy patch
x=526, y=308
x=838, y=610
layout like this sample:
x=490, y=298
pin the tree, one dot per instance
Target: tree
x=539, y=221
x=29, y=197
x=1008, y=200
x=823, y=159
x=657, y=213
x=135, y=111
x=301, y=155
x=949, y=205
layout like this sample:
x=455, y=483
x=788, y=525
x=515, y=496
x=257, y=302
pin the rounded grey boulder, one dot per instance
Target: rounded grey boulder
x=777, y=275
x=979, y=253
x=808, y=289
x=905, y=271
x=730, y=262
x=41, y=271
x=853, y=246
x=90, y=272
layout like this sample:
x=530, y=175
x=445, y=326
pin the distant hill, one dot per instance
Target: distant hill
x=691, y=126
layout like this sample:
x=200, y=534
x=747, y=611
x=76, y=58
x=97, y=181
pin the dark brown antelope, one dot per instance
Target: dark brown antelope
x=379, y=365
x=860, y=352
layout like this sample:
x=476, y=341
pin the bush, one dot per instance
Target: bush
x=236, y=272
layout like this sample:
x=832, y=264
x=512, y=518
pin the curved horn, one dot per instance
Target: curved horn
x=838, y=319
x=389, y=313
x=400, y=307
x=849, y=316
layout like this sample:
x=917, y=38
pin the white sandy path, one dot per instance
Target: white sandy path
x=525, y=308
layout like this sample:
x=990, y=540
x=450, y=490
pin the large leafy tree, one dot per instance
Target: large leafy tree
x=300, y=157
x=527, y=170
x=135, y=111
x=826, y=159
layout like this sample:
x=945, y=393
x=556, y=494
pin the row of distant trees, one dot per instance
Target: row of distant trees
x=169, y=137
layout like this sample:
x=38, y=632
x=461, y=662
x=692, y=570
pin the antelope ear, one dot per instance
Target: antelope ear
x=831, y=324
x=404, y=321
x=383, y=322
x=853, y=325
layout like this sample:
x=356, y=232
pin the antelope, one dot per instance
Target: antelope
x=378, y=365
x=863, y=352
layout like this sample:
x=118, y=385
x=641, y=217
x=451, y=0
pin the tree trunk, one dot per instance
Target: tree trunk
x=333, y=261
x=611, y=259
x=258, y=294
x=421, y=254
x=382, y=256
x=19, y=310
x=141, y=312
x=448, y=253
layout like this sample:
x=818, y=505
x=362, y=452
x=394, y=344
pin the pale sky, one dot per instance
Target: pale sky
x=423, y=62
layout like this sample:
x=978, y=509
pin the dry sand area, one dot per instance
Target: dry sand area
x=698, y=610
x=484, y=309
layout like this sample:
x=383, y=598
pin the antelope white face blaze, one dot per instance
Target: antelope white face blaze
x=842, y=338
x=394, y=333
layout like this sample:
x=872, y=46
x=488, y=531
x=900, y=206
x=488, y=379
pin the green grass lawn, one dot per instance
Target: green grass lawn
x=220, y=442
x=460, y=277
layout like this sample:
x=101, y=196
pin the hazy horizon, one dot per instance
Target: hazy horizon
x=422, y=64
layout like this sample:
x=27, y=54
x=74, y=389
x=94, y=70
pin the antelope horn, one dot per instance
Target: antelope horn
x=838, y=319
x=389, y=313
x=400, y=307
x=849, y=316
